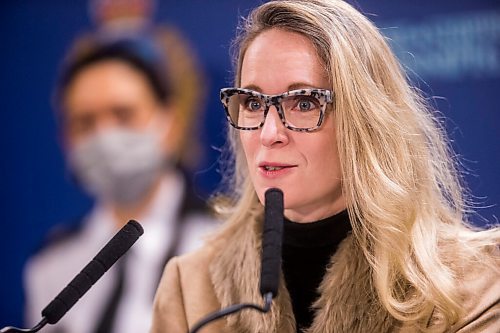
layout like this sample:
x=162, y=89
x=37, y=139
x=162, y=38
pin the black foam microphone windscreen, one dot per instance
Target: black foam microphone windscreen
x=89, y=275
x=272, y=237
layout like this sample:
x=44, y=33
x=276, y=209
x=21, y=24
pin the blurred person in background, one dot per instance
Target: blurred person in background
x=128, y=98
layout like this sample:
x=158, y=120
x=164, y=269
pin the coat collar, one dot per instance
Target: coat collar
x=348, y=301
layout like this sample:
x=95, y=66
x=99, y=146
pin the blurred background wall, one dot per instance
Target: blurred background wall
x=451, y=49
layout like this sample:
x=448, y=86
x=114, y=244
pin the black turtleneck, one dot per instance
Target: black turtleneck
x=307, y=249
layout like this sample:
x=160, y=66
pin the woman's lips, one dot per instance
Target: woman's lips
x=274, y=170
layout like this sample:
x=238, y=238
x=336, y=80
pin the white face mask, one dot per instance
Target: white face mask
x=118, y=165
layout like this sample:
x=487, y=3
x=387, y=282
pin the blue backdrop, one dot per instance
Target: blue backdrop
x=450, y=47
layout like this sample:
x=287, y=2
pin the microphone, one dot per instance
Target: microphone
x=109, y=254
x=272, y=237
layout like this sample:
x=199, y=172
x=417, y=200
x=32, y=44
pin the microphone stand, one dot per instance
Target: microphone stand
x=268, y=298
x=39, y=326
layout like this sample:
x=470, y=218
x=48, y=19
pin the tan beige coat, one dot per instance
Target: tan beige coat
x=226, y=272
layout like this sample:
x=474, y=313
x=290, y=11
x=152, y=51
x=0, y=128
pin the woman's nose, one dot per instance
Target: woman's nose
x=273, y=131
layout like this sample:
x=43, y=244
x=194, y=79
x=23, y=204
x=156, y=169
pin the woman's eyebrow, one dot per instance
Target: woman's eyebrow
x=252, y=87
x=300, y=85
x=293, y=86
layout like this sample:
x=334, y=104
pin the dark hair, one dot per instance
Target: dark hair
x=140, y=53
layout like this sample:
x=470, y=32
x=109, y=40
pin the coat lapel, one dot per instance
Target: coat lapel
x=348, y=301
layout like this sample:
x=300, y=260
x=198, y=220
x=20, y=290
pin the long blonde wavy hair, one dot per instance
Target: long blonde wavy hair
x=399, y=176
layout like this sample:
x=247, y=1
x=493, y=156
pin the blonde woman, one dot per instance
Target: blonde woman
x=375, y=238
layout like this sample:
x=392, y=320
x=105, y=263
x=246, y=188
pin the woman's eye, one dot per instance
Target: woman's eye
x=253, y=104
x=306, y=104
x=124, y=114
